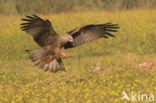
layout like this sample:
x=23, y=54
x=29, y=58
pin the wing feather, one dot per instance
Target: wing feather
x=41, y=30
x=91, y=32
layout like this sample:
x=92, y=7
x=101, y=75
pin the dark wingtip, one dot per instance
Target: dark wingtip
x=37, y=17
x=23, y=19
x=109, y=34
x=34, y=15
x=111, y=24
x=30, y=17
x=108, y=23
x=27, y=51
x=24, y=24
x=23, y=28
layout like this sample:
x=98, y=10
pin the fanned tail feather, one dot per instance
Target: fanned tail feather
x=53, y=66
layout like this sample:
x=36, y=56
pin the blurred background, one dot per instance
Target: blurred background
x=21, y=7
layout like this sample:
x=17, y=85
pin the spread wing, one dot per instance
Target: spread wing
x=41, y=30
x=91, y=32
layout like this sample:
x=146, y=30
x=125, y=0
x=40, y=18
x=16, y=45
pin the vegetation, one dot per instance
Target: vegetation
x=11, y=7
x=21, y=82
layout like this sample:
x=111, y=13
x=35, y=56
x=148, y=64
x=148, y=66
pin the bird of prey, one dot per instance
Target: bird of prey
x=53, y=45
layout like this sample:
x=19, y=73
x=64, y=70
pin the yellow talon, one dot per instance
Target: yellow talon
x=65, y=55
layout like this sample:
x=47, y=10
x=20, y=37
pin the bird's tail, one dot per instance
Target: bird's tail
x=35, y=56
x=48, y=62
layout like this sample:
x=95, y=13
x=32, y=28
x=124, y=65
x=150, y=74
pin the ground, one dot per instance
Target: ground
x=135, y=43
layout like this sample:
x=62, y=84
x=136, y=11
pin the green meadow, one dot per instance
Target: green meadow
x=135, y=43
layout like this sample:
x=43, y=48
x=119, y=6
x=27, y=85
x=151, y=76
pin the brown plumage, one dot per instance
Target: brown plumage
x=49, y=56
x=91, y=32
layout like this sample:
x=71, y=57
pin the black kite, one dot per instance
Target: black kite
x=49, y=56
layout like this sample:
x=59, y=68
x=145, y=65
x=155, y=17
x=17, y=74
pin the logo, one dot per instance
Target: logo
x=137, y=96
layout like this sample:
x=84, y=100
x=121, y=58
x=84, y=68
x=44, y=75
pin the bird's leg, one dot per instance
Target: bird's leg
x=63, y=51
x=63, y=54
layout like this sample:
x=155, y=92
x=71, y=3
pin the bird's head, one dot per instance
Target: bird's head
x=65, y=38
x=70, y=39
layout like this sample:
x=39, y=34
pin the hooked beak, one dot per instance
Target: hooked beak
x=71, y=40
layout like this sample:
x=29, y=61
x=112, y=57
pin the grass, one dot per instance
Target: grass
x=21, y=82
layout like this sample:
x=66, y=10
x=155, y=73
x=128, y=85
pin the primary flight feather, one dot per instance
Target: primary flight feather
x=52, y=45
